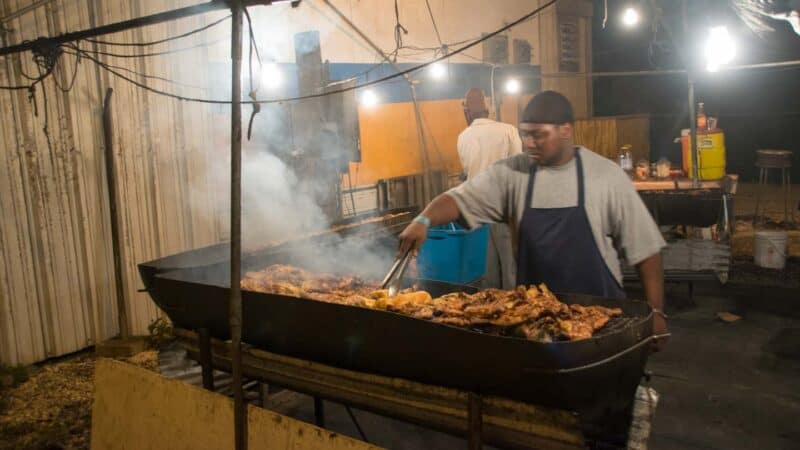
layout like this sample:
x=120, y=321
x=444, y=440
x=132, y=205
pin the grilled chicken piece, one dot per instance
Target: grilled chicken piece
x=531, y=312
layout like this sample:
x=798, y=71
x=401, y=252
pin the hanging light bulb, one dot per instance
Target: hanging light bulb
x=369, y=98
x=438, y=70
x=720, y=48
x=630, y=17
x=512, y=86
x=271, y=76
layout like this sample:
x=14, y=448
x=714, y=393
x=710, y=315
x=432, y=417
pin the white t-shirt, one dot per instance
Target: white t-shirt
x=485, y=142
x=621, y=223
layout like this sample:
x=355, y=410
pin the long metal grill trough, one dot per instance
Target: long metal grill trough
x=596, y=377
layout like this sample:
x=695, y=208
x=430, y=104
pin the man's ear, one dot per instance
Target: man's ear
x=565, y=131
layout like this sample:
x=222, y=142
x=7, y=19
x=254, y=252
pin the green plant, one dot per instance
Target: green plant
x=160, y=333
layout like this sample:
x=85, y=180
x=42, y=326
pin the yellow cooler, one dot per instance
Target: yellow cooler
x=710, y=154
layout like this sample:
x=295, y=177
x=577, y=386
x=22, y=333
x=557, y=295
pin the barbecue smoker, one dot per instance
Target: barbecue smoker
x=596, y=377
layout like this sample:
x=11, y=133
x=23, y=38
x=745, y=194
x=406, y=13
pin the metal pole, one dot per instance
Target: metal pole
x=111, y=183
x=235, y=313
x=693, y=135
x=692, y=113
x=474, y=421
x=206, y=360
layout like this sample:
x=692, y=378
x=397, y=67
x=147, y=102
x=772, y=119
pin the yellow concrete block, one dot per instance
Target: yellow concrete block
x=135, y=409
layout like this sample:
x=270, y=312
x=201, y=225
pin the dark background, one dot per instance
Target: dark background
x=757, y=108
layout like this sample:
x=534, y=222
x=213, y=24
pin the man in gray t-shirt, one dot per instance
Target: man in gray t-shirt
x=572, y=213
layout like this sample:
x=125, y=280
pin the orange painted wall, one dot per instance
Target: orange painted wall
x=390, y=146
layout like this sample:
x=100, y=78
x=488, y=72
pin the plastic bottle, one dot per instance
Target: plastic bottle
x=626, y=159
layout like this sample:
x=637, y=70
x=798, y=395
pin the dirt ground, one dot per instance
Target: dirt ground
x=52, y=408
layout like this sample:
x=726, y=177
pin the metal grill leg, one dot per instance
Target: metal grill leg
x=787, y=194
x=206, y=364
x=761, y=180
x=319, y=412
x=789, y=183
x=475, y=421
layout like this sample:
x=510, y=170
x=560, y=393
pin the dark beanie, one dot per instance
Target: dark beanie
x=548, y=107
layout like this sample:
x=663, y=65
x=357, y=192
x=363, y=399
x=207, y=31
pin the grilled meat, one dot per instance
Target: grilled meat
x=533, y=312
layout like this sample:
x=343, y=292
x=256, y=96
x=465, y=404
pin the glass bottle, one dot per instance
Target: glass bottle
x=702, y=120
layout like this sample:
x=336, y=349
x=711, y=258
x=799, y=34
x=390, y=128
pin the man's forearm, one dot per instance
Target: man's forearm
x=442, y=210
x=652, y=276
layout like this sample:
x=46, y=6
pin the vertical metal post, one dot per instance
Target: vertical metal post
x=235, y=313
x=111, y=182
x=206, y=363
x=475, y=421
x=427, y=185
x=693, y=136
x=319, y=412
x=692, y=113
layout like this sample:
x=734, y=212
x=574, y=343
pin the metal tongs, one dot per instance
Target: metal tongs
x=394, y=278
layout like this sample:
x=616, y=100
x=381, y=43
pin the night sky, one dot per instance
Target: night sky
x=757, y=109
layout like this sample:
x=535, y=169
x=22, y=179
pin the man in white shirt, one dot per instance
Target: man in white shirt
x=483, y=143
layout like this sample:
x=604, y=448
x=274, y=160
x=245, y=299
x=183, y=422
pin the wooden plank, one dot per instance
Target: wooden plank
x=136, y=409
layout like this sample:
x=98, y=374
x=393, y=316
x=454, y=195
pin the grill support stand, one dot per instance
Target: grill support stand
x=204, y=344
x=319, y=412
x=475, y=418
x=497, y=421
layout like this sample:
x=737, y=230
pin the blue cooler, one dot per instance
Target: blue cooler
x=454, y=254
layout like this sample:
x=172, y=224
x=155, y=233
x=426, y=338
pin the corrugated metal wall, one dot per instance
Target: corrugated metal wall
x=56, y=288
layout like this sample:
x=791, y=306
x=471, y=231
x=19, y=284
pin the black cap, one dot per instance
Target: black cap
x=548, y=107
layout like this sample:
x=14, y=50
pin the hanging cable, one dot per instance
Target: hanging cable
x=161, y=41
x=151, y=54
x=435, y=28
x=72, y=50
x=253, y=89
x=74, y=75
x=399, y=31
x=89, y=56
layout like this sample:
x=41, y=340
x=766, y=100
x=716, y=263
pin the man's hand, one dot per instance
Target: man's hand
x=443, y=209
x=412, y=238
x=659, y=328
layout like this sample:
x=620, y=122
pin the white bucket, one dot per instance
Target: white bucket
x=770, y=249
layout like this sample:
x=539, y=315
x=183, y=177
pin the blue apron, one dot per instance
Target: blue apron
x=557, y=247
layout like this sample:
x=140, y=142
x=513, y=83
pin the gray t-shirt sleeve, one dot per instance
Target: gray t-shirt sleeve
x=483, y=199
x=634, y=230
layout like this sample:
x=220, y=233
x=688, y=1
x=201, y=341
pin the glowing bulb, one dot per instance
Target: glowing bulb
x=720, y=48
x=369, y=98
x=271, y=76
x=630, y=17
x=512, y=86
x=438, y=70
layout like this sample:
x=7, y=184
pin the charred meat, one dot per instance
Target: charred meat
x=532, y=313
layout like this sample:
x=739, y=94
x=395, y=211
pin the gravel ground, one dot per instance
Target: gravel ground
x=53, y=408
